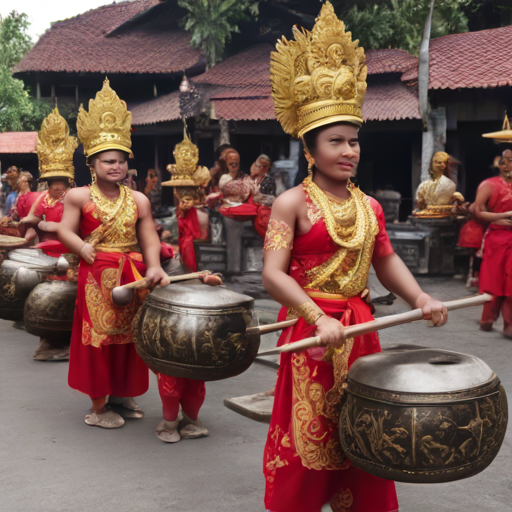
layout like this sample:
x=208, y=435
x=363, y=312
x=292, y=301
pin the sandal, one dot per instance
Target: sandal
x=126, y=407
x=167, y=431
x=192, y=429
x=109, y=419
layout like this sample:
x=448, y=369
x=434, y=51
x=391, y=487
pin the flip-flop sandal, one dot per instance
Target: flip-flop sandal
x=109, y=419
x=167, y=431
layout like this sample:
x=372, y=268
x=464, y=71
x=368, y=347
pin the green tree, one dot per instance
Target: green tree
x=212, y=22
x=18, y=111
x=399, y=23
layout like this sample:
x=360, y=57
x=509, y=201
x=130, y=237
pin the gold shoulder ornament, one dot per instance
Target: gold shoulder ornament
x=319, y=77
x=278, y=236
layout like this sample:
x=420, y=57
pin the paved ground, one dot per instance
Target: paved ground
x=51, y=461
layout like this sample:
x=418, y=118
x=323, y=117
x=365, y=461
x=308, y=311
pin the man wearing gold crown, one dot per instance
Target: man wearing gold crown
x=55, y=150
x=322, y=237
x=112, y=230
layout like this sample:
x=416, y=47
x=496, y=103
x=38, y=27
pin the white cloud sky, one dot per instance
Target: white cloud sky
x=43, y=12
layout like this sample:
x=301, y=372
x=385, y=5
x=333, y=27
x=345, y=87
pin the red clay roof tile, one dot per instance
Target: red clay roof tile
x=18, y=142
x=470, y=60
x=82, y=44
x=389, y=61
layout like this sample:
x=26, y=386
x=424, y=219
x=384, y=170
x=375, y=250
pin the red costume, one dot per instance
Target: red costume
x=304, y=466
x=189, y=230
x=175, y=391
x=496, y=269
x=23, y=204
x=103, y=360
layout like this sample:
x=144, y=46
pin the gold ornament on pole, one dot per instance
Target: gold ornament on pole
x=504, y=135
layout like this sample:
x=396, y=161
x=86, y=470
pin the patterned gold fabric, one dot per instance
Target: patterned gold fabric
x=118, y=218
x=352, y=225
x=279, y=236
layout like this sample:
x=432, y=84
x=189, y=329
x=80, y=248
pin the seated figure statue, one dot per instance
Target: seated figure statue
x=437, y=197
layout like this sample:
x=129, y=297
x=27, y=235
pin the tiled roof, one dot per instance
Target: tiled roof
x=391, y=101
x=389, y=61
x=83, y=44
x=18, y=142
x=165, y=108
x=239, y=89
x=470, y=60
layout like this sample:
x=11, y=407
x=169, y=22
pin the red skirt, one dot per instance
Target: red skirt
x=101, y=364
x=471, y=234
x=496, y=268
x=304, y=467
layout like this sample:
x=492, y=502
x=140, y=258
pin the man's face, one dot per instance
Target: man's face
x=233, y=163
x=23, y=184
x=259, y=168
x=57, y=189
x=12, y=175
x=111, y=166
x=506, y=166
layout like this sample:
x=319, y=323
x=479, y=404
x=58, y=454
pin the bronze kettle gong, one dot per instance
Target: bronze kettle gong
x=49, y=309
x=422, y=415
x=192, y=330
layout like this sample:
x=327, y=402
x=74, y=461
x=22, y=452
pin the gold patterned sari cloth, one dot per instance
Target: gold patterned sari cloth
x=331, y=262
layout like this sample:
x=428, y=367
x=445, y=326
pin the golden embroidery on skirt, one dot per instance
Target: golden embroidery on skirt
x=278, y=236
x=118, y=218
x=314, y=420
x=342, y=501
x=110, y=324
x=274, y=460
x=352, y=225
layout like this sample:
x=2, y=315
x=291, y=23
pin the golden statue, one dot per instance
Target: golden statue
x=55, y=148
x=185, y=172
x=319, y=77
x=437, y=197
x=107, y=125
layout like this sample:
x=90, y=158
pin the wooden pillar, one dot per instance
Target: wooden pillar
x=38, y=91
x=76, y=95
x=155, y=91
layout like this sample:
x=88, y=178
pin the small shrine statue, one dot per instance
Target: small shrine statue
x=187, y=178
x=437, y=197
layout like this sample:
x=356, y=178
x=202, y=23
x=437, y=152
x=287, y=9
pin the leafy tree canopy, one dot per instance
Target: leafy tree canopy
x=212, y=22
x=18, y=111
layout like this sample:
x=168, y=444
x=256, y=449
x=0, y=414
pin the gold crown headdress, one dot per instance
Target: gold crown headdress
x=107, y=125
x=185, y=172
x=319, y=77
x=55, y=148
x=504, y=135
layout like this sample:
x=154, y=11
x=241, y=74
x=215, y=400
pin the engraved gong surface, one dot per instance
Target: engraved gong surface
x=404, y=419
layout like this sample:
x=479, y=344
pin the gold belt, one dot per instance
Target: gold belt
x=324, y=295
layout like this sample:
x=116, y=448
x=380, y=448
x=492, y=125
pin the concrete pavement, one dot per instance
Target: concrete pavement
x=51, y=461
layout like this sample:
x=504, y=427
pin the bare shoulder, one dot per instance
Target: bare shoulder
x=292, y=198
x=139, y=197
x=78, y=196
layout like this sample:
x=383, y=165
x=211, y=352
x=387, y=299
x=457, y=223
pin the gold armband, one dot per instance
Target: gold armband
x=309, y=311
x=279, y=236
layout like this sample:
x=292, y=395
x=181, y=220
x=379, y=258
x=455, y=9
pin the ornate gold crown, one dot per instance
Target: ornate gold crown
x=107, y=125
x=183, y=172
x=55, y=148
x=319, y=77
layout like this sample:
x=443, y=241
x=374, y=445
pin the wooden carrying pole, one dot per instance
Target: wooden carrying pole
x=375, y=325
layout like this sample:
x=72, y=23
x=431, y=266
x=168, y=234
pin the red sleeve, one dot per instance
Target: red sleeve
x=39, y=211
x=383, y=246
